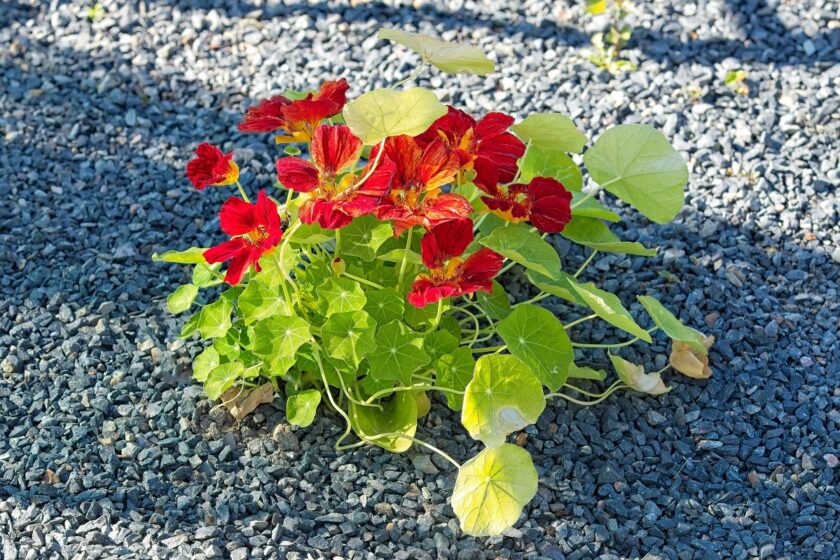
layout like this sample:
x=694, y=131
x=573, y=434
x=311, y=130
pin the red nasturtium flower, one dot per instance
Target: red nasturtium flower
x=212, y=167
x=333, y=199
x=484, y=146
x=415, y=197
x=544, y=201
x=298, y=118
x=255, y=229
x=449, y=274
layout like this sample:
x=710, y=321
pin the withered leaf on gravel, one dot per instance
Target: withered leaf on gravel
x=50, y=477
x=689, y=361
x=242, y=404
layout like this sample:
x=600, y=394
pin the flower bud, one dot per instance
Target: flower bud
x=338, y=266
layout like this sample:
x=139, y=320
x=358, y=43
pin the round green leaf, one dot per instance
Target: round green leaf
x=535, y=336
x=280, y=336
x=454, y=370
x=205, y=275
x=221, y=378
x=399, y=414
x=384, y=305
x=519, y=244
x=380, y=113
x=396, y=355
x=672, y=326
x=204, y=363
x=504, y=396
x=349, y=336
x=214, y=320
x=492, y=488
x=496, y=304
x=551, y=130
x=259, y=300
x=637, y=164
x=452, y=58
x=547, y=162
x=559, y=286
x=301, y=407
x=341, y=295
x=583, y=372
x=364, y=236
x=181, y=299
x=596, y=235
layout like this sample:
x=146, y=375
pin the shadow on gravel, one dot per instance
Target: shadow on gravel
x=94, y=357
x=766, y=38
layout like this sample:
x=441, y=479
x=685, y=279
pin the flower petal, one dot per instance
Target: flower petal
x=335, y=91
x=225, y=251
x=239, y=265
x=334, y=148
x=424, y=291
x=268, y=216
x=297, y=174
x=445, y=241
x=267, y=116
x=550, y=204
x=478, y=271
x=492, y=124
x=238, y=217
x=437, y=166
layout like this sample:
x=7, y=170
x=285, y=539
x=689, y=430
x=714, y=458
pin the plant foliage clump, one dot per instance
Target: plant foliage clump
x=367, y=278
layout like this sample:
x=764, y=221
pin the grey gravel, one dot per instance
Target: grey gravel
x=107, y=448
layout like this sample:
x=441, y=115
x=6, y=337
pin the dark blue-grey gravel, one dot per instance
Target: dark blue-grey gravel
x=107, y=449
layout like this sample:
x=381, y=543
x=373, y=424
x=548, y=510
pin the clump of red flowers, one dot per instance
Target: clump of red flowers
x=408, y=181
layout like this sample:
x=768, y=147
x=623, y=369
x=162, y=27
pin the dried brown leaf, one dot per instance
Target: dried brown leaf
x=50, y=477
x=241, y=404
x=689, y=361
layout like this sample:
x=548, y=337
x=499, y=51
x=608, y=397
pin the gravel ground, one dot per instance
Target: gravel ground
x=107, y=449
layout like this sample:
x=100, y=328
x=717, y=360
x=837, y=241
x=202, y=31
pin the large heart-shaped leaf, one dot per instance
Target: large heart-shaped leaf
x=349, y=336
x=519, y=244
x=608, y=307
x=596, y=235
x=452, y=58
x=551, y=130
x=548, y=162
x=504, y=396
x=535, y=336
x=301, y=407
x=399, y=415
x=396, y=355
x=492, y=488
x=672, y=326
x=636, y=163
x=380, y=113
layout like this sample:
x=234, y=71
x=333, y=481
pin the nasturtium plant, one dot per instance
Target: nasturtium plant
x=372, y=275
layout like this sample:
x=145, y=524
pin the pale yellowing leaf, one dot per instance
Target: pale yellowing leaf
x=634, y=376
x=492, y=488
x=689, y=361
x=452, y=58
x=385, y=112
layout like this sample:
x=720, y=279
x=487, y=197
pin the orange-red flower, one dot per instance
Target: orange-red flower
x=211, y=167
x=335, y=197
x=450, y=275
x=255, y=229
x=415, y=197
x=544, y=201
x=484, y=146
x=298, y=118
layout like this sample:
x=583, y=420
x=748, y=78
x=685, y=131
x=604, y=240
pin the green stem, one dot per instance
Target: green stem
x=588, y=403
x=578, y=321
x=488, y=349
x=524, y=155
x=404, y=259
x=391, y=390
x=363, y=280
x=587, y=393
x=586, y=263
x=617, y=345
x=588, y=195
x=242, y=192
x=372, y=167
x=410, y=77
x=288, y=202
x=337, y=408
x=438, y=315
x=337, y=252
x=418, y=442
x=539, y=297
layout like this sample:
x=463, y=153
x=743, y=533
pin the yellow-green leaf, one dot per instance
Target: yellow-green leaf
x=181, y=299
x=193, y=255
x=492, y=488
x=301, y=407
x=504, y=396
x=550, y=130
x=385, y=112
x=452, y=58
x=398, y=415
